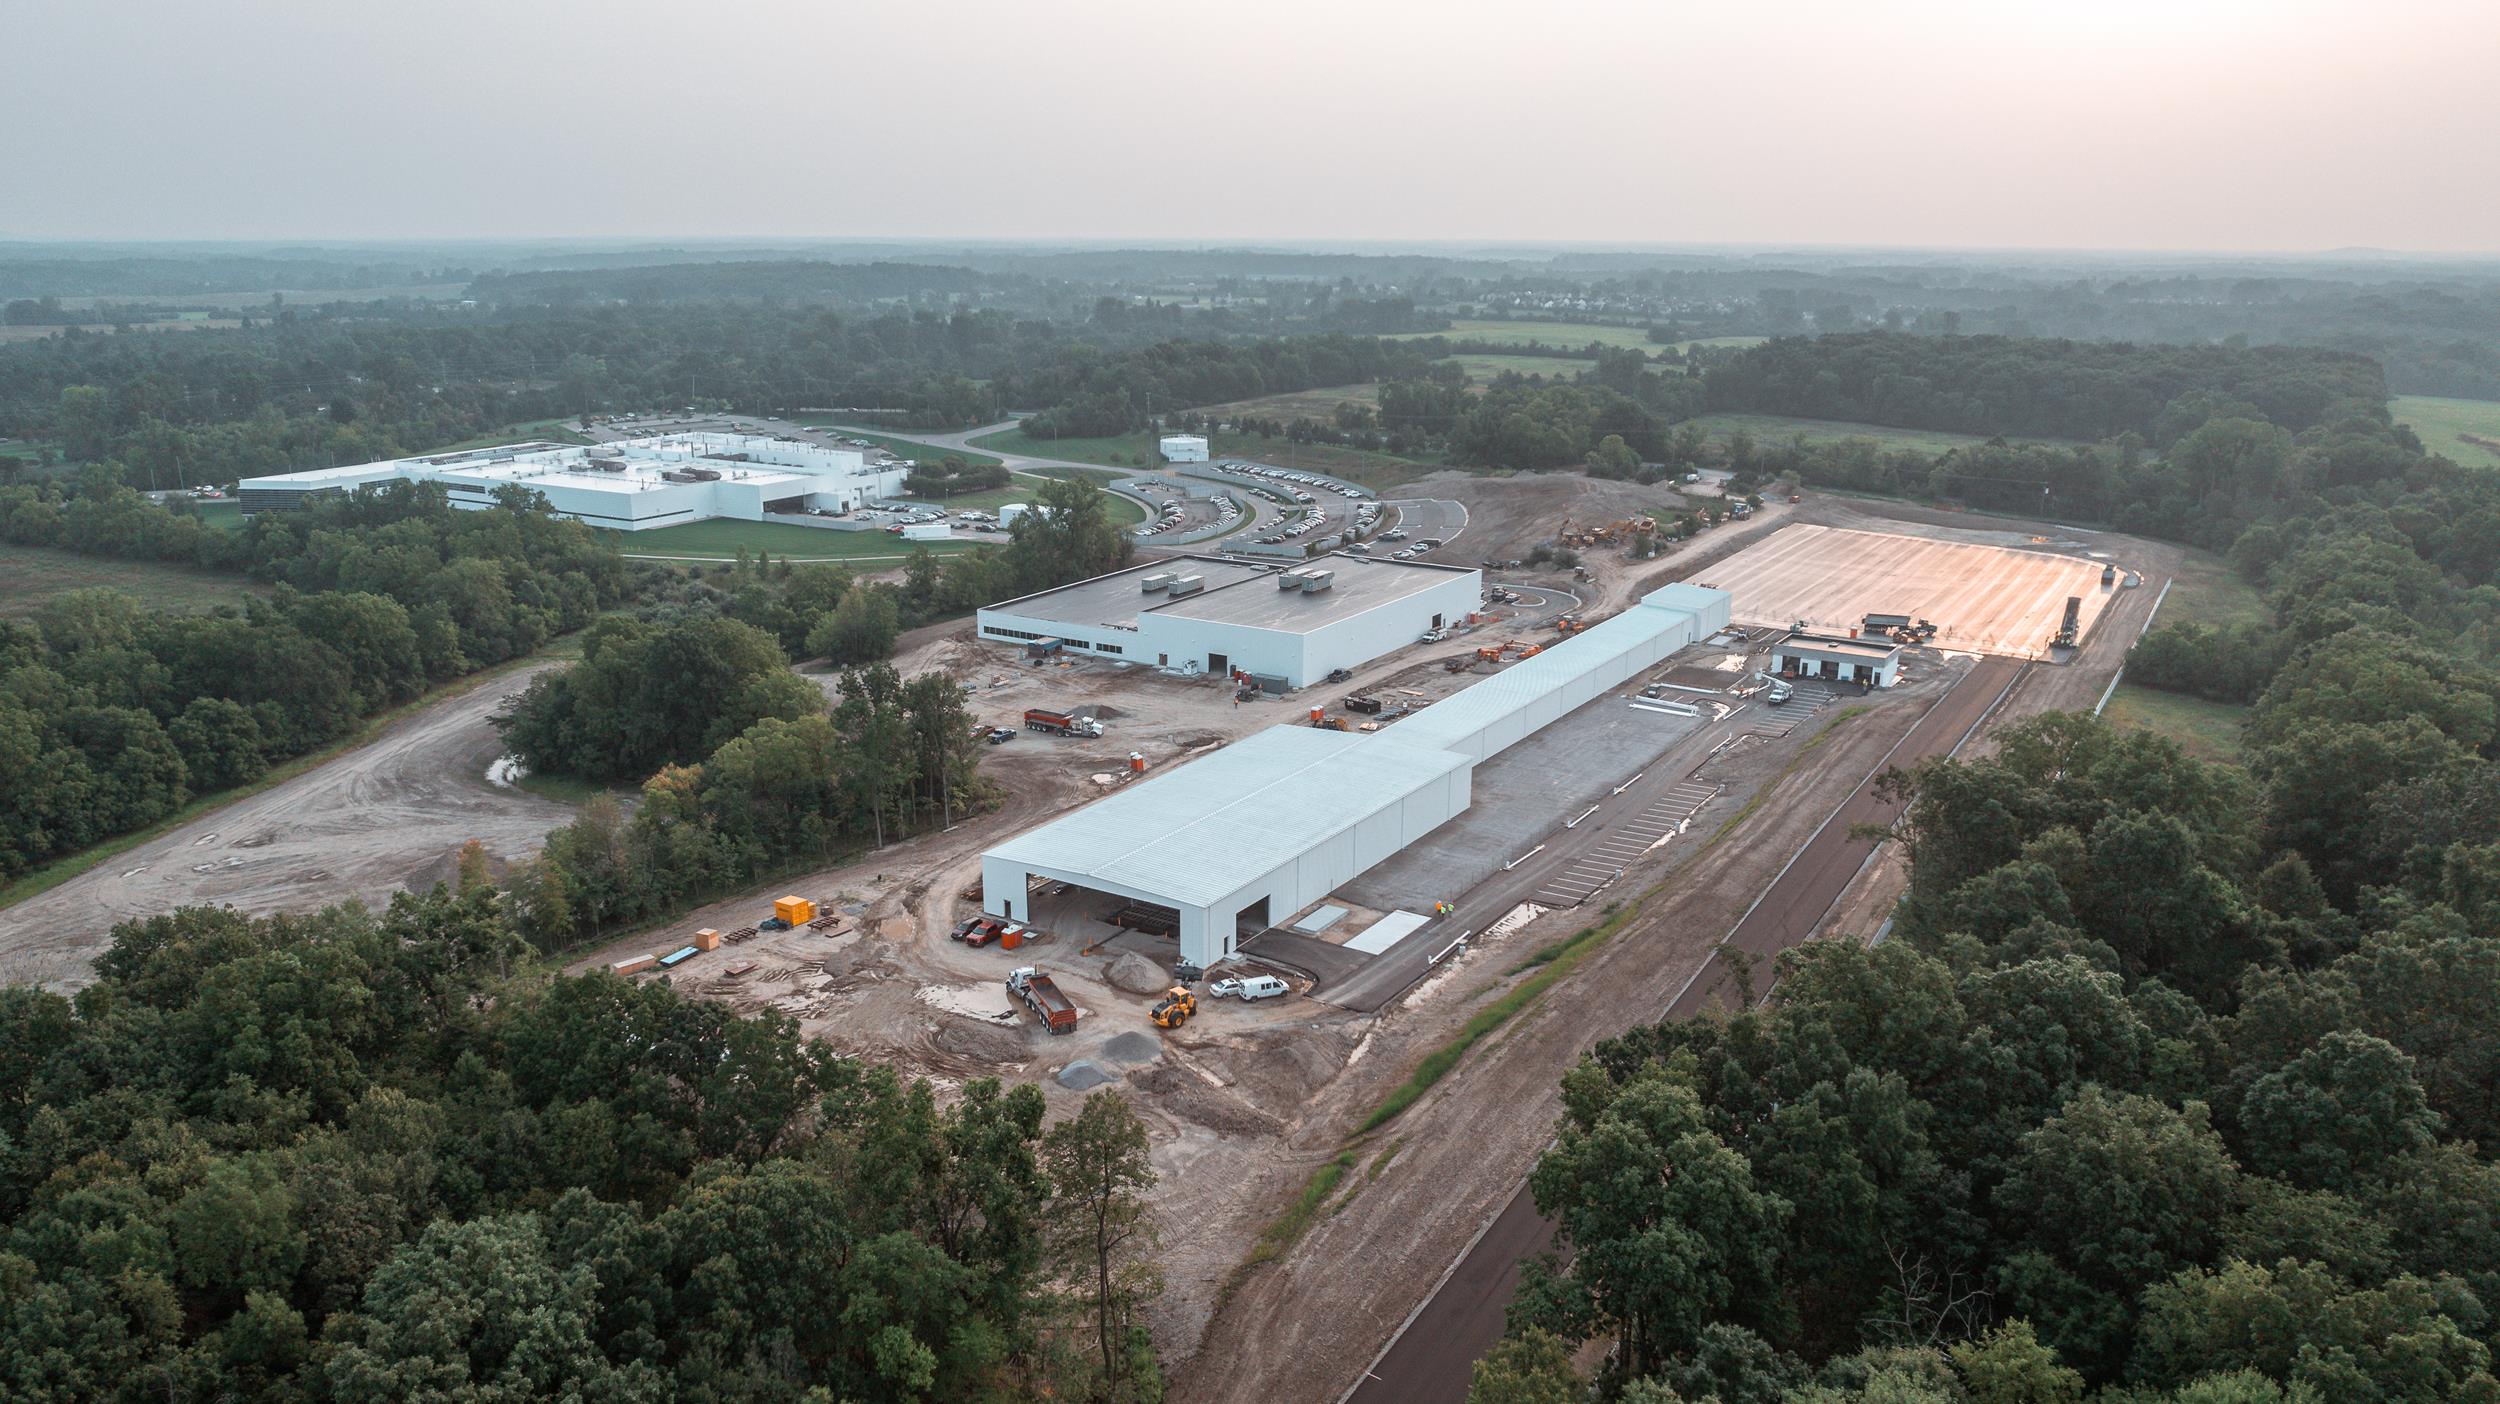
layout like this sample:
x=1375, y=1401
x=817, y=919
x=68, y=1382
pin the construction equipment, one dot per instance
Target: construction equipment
x=1060, y=723
x=2073, y=624
x=1175, y=1009
x=1569, y=624
x=1041, y=994
x=794, y=911
x=1489, y=655
x=1366, y=705
x=2109, y=576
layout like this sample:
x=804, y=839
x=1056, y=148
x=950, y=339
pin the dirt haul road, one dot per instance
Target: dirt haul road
x=385, y=816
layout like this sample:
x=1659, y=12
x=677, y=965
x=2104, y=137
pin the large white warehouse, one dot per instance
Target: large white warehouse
x=1269, y=825
x=629, y=485
x=1205, y=614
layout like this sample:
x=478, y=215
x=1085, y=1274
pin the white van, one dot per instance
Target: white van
x=1257, y=987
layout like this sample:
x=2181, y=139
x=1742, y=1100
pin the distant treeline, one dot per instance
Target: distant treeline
x=743, y=280
x=1088, y=397
x=1990, y=385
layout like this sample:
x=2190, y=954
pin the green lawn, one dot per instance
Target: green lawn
x=1025, y=487
x=2444, y=423
x=899, y=447
x=562, y=431
x=1768, y=427
x=1125, y=451
x=719, y=540
x=2206, y=730
x=2206, y=592
x=221, y=512
x=30, y=575
x=1568, y=335
x=1482, y=368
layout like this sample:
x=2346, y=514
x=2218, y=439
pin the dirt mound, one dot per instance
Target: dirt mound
x=1082, y=1075
x=1182, y=1093
x=986, y=1043
x=1100, y=711
x=1137, y=975
x=1132, y=1047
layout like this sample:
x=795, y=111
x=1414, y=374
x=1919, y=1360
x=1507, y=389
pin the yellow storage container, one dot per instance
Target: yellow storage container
x=797, y=911
x=707, y=940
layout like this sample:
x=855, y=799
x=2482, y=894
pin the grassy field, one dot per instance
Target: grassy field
x=1126, y=451
x=1767, y=427
x=2206, y=592
x=1300, y=404
x=30, y=575
x=2443, y=425
x=1683, y=346
x=562, y=431
x=2206, y=730
x=720, y=540
x=1482, y=369
x=900, y=448
x=1571, y=335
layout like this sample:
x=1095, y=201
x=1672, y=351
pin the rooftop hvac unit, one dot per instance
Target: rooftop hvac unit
x=1319, y=580
x=1188, y=585
x=1290, y=580
x=1158, y=581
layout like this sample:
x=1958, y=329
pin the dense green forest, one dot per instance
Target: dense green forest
x=1989, y=385
x=2174, y=1081
x=112, y=715
x=358, y=1156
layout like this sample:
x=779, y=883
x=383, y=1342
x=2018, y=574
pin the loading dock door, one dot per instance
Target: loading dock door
x=1219, y=663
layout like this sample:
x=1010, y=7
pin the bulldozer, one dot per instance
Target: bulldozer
x=1175, y=1008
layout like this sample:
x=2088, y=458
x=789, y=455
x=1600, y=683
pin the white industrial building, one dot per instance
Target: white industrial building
x=1184, y=448
x=628, y=485
x=1286, y=627
x=1265, y=827
x=1869, y=662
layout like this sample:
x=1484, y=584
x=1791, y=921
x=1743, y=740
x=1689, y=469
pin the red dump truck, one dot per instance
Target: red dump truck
x=1060, y=723
x=1041, y=994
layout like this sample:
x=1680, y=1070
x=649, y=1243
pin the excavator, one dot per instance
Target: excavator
x=1176, y=1007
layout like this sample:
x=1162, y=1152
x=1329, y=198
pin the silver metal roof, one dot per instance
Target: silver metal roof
x=1201, y=832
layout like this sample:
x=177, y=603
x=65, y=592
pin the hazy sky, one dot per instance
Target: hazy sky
x=2172, y=124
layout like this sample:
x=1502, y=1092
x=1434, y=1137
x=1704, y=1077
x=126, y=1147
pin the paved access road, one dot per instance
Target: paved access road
x=1431, y=1360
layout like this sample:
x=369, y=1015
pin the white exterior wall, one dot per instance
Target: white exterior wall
x=1189, y=643
x=1353, y=642
x=1184, y=448
x=1208, y=933
x=1123, y=640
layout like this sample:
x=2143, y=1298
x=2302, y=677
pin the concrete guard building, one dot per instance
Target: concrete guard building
x=1255, y=832
x=1184, y=448
x=1869, y=662
x=628, y=485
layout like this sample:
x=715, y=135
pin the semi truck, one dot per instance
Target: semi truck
x=1060, y=723
x=1041, y=994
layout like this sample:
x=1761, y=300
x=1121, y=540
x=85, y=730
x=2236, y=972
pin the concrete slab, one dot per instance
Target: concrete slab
x=1520, y=795
x=1987, y=599
x=1386, y=932
x=1320, y=920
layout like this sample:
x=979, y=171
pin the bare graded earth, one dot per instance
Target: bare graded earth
x=385, y=816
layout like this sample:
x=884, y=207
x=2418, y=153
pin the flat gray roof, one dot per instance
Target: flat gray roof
x=1839, y=647
x=1236, y=593
x=1197, y=833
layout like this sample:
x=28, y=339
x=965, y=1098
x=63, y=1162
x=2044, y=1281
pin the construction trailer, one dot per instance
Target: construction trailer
x=1260, y=829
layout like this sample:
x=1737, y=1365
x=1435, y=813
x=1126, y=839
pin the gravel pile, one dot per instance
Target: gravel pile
x=1133, y=1047
x=1082, y=1075
x=1138, y=975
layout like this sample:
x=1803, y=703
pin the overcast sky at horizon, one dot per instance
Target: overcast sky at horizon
x=2253, y=125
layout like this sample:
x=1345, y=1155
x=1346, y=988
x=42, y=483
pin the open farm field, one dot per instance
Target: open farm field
x=1571, y=335
x=38, y=333
x=30, y=575
x=1300, y=404
x=2465, y=430
x=1768, y=427
x=2209, y=731
x=1482, y=368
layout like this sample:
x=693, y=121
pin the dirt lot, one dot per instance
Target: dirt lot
x=2003, y=599
x=387, y=816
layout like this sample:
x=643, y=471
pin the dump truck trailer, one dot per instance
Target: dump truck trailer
x=1041, y=994
x=1060, y=723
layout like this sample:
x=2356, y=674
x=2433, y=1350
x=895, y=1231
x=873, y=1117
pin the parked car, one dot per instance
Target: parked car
x=999, y=736
x=1247, y=988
